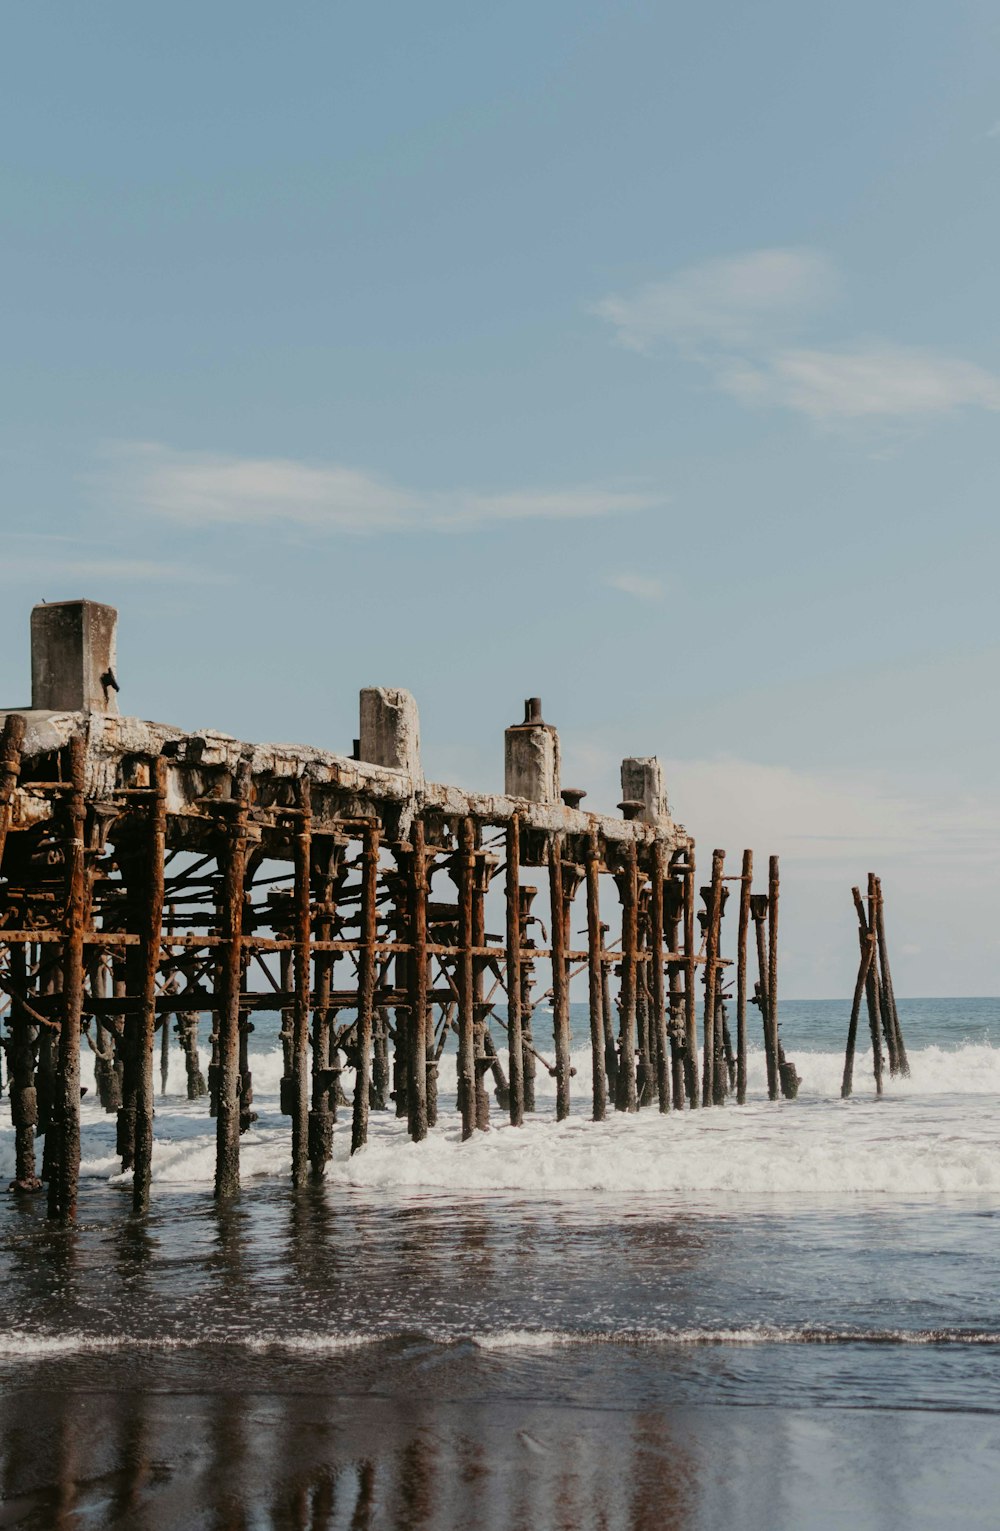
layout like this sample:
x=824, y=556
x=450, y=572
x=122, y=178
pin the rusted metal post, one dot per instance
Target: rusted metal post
x=628, y=882
x=480, y=1008
x=515, y=1054
x=656, y=962
x=690, y=998
x=23, y=1097
x=230, y=974
x=746, y=882
x=871, y=992
x=466, y=982
x=560, y=984
x=772, y=964
x=366, y=986
x=867, y=951
x=595, y=974
x=66, y=1116
x=150, y=935
x=758, y=912
x=673, y=906
x=710, y=1085
x=417, y=1098
x=898, y=1061
x=11, y=745
x=302, y=935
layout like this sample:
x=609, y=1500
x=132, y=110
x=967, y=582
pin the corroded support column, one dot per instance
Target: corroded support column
x=514, y=937
x=628, y=884
x=690, y=998
x=302, y=930
x=234, y=859
x=366, y=984
x=481, y=882
x=65, y=1124
x=746, y=880
x=150, y=935
x=11, y=744
x=595, y=975
x=711, y=1092
x=23, y=1096
x=560, y=977
x=772, y=966
x=656, y=979
x=417, y=971
x=466, y=979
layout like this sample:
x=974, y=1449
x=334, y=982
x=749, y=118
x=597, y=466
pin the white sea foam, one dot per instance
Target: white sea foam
x=935, y=1134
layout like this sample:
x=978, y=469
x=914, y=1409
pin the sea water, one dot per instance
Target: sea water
x=776, y=1314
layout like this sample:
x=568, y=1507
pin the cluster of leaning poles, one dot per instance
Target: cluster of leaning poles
x=874, y=984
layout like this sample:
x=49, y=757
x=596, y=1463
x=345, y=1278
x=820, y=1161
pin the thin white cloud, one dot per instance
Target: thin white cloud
x=892, y=382
x=640, y=586
x=728, y=302
x=38, y=567
x=202, y=488
x=735, y=317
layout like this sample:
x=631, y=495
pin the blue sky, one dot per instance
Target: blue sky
x=642, y=356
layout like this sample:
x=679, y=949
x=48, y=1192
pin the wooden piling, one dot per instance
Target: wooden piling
x=65, y=1126
x=710, y=1089
x=867, y=953
x=595, y=974
x=746, y=882
x=865, y=931
x=656, y=961
x=691, y=1079
x=302, y=935
x=758, y=912
x=515, y=1054
x=898, y=1055
x=417, y=973
x=466, y=980
x=772, y=965
x=366, y=983
x=233, y=858
x=560, y=981
x=628, y=884
x=150, y=934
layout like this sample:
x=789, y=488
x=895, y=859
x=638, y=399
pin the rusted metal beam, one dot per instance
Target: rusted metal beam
x=234, y=860
x=418, y=972
x=595, y=974
x=466, y=983
x=150, y=934
x=746, y=886
x=366, y=991
x=656, y=973
x=65, y=1124
x=515, y=1053
x=302, y=962
x=560, y=986
x=628, y=884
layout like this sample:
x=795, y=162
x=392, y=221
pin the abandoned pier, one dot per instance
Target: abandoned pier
x=151, y=878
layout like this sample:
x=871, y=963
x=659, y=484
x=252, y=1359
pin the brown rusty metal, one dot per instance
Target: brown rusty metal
x=302, y=971
x=628, y=885
x=899, y=1063
x=663, y=1081
x=711, y=1085
x=596, y=973
x=515, y=1042
x=366, y=986
x=466, y=979
x=233, y=859
x=151, y=935
x=418, y=971
x=560, y=983
x=746, y=886
x=65, y=1124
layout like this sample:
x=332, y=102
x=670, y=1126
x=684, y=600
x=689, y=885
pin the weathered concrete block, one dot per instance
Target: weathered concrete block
x=642, y=781
x=74, y=658
x=390, y=730
x=531, y=757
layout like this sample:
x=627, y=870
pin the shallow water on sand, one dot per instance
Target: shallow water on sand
x=772, y=1316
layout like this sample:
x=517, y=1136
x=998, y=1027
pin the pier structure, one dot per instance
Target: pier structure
x=151, y=877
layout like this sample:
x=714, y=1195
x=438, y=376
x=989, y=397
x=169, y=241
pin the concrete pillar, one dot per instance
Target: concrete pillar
x=531, y=757
x=390, y=730
x=642, y=781
x=73, y=657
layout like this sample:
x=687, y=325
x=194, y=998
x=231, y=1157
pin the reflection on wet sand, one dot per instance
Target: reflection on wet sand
x=148, y=1461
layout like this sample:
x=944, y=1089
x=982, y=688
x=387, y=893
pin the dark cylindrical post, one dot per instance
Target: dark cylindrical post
x=772, y=963
x=628, y=882
x=230, y=974
x=417, y=972
x=656, y=962
x=746, y=883
x=560, y=984
x=66, y=1116
x=366, y=984
x=302, y=935
x=674, y=903
x=150, y=935
x=480, y=1009
x=758, y=911
x=595, y=973
x=515, y=1053
x=899, y=1063
x=871, y=993
x=852, y=1030
x=710, y=1094
x=23, y=1097
x=690, y=997
x=466, y=979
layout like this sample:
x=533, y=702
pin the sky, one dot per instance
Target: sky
x=643, y=357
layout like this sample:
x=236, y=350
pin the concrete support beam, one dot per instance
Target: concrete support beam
x=642, y=781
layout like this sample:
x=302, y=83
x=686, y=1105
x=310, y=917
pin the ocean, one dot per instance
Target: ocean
x=767, y=1316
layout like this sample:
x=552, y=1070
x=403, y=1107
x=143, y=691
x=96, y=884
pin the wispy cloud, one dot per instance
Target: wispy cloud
x=729, y=302
x=737, y=319
x=642, y=587
x=895, y=382
x=201, y=488
x=40, y=568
